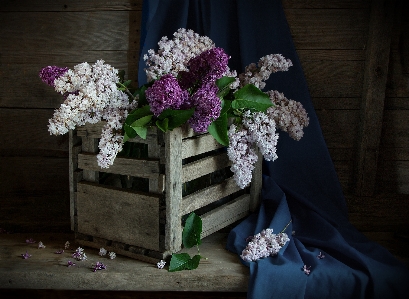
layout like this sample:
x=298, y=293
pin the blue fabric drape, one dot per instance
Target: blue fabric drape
x=301, y=184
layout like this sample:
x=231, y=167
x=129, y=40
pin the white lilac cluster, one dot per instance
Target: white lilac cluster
x=289, y=115
x=264, y=244
x=242, y=155
x=256, y=74
x=91, y=95
x=262, y=130
x=174, y=54
x=161, y=264
x=257, y=131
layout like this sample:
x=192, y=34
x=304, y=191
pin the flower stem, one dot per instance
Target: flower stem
x=286, y=226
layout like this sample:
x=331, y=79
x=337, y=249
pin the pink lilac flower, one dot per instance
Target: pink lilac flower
x=98, y=266
x=26, y=255
x=207, y=107
x=70, y=264
x=262, y=131
x=67, y=245
x=242, y=155
x=50, y=73
x=320, y=255
x=60, y=251
x=165, y=93
x=79, y=254
x=112, y=255
x=30, y=241
x=256, y=74
x=264, y=244
x=306, y=269
x=290, y=116
x=41, y=245
x=161, y=264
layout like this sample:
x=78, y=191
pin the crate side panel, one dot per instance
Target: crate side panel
x=225, y=215
x=208, y=195
x=117, y=215
x=204, y=166
x=199, y=145
x=125, y=166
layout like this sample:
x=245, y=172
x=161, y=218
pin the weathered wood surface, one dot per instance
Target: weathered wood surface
x=208, y=195
x=331, y=40
x=112, y=214
x=373, y=95
x=173, y=187
x=220, y=272
x=224, y=215
x=204, y=166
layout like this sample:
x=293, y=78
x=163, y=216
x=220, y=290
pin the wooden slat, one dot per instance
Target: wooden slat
x=334, y=78
x=94, y=131
x=118, y=215
x=225, y=215
x=74, y=150
x=256, y=183
x=204, y=166
x=173, y=173
x=27, y=129
x=199, y=145
x=72, y=5
x=207, y=195
x=89, y=146
x=349, y=4
x=75, y=30
x=328, y=28
x=124, y=166
x=373, y=95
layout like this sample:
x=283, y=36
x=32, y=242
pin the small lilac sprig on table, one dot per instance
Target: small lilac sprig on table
x=79, y=254
x=30, y=241
x=264, y=244
x=98, y=266
x=41, y=245
x=26, y=255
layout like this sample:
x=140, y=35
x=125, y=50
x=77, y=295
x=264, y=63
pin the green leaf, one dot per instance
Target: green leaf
x=163, y=124
x=223, y=84
x=179, y=262
x=251, y=97
x=218, y=129
x=176, y=117
x=137, y=114
x=126, y=137
x=141, y=121
x=193, y=263
x=192, y=231
x=141, y=131
x=129, y=131
x=127, y=83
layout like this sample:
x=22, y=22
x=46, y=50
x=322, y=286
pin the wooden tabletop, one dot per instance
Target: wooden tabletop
x=220, y=272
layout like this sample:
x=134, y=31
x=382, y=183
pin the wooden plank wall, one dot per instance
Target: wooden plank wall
x=331, y=38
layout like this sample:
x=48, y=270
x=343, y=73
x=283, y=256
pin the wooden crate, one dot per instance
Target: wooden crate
x=139, y=210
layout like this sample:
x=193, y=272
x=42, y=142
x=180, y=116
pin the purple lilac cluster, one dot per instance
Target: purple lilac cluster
x=165, y=93
x=50, y=73
x=264, y=244
x=203, y=71
x=98, y=266
x=289, y=115
x=79, y=254
x=207, y=107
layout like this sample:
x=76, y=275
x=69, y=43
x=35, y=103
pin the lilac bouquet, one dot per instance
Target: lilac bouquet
x=189, y=81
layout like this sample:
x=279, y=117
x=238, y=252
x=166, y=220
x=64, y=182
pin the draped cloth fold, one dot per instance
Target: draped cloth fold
x=301, y=185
